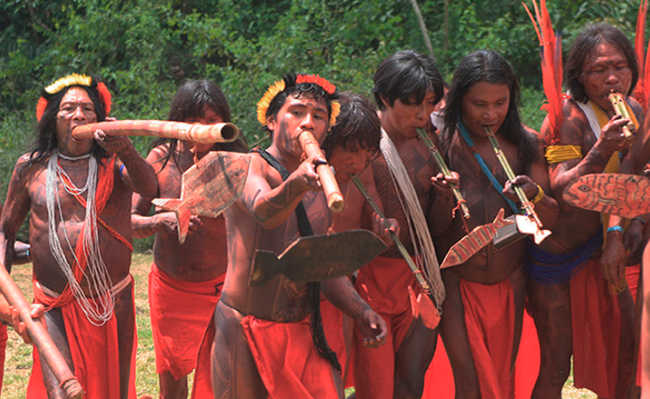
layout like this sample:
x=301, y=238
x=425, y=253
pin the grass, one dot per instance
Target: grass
x=18, y=360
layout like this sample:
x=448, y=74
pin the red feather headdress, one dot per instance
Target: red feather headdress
x=552, y=70
x=291, y=80
x=74, y=79
x=642, y=89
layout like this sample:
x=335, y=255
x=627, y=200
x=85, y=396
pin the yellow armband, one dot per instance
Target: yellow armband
x=540, y=194
x=560, y=153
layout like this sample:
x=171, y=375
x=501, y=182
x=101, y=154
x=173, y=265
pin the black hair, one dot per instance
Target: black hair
x=317, y=332
x=305, y=89
x=582, y=46
x=488, y=66
x=407, y=76
x=357, y=126
x=46, y=135
x=189, y=103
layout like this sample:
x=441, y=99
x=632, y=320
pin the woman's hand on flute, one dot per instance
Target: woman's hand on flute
x=37, y=311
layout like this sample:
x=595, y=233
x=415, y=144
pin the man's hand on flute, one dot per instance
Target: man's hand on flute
x=37, y=311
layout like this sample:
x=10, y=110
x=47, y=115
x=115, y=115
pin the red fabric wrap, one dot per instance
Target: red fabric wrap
x=490, y=324
x=104, y=190
x=3, y=347
x=596, y=322
x=94, y=351
x=338, y=328
x=287, y=360
x=439, y=381
x=383, y=283
x=202, y=385
x=633, y=276
x=180, y=313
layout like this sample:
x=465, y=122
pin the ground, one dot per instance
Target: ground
x=18, y=361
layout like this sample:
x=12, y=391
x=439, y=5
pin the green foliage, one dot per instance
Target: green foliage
x=144, y=49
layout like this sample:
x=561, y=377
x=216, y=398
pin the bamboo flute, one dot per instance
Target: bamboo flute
x=619, y=107
x=527, y=206
x=400, y=247
x=442, y=165
x=327, y=180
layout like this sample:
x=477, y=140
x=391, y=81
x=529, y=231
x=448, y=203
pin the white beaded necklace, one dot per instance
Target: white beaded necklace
x=100, y=310
x=423, y=248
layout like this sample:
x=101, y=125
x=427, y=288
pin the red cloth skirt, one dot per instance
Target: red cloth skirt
x=3, y=348
x=596, y=323
x=383, y=283
x=287, y=360
x=180, y=313
x=95, y=356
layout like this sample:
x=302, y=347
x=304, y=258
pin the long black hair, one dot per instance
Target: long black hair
x=488, y=66
x=46, y=135
x=582, y=46
x=189, y=103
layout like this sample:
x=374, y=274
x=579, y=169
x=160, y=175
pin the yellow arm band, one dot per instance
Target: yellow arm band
x=540, y=194
x=560, y=153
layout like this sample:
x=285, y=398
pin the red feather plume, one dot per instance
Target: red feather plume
x=642, y=89
x=40, y=108
x=551, y=63
x=105, y=95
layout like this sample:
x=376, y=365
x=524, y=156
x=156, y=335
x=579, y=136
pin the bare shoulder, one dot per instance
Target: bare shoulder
x=157, y=155
x=533, y=135
x=25, y=167
x=574, y=124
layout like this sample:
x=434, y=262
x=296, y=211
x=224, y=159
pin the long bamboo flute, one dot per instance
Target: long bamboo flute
x=442, y=165
x=40, y=337
x=400, y=247
x=327, y=180
x=195, y=132
x=525, y=203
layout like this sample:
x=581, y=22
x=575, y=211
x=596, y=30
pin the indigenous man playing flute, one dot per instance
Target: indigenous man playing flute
x=578, y=295
x=185, y=279
x=407, y=88
x=78, y=193
x=483, y=312
x=265, y=344
x=350, y=147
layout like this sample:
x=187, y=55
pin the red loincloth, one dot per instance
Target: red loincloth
x=490, y=324
x=94, y=351
x=287, y=360
x=383, y=283
x=439, y=381
x=596, y=322
x=180, y=313
x=202, y=385
x=3, y=348
x=337, y=326
x=633, y=276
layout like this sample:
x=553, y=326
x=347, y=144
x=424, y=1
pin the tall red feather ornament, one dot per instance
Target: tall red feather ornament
x=551, y=64
x=642, y=89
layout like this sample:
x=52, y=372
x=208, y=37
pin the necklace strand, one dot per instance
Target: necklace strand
x=100, y=310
